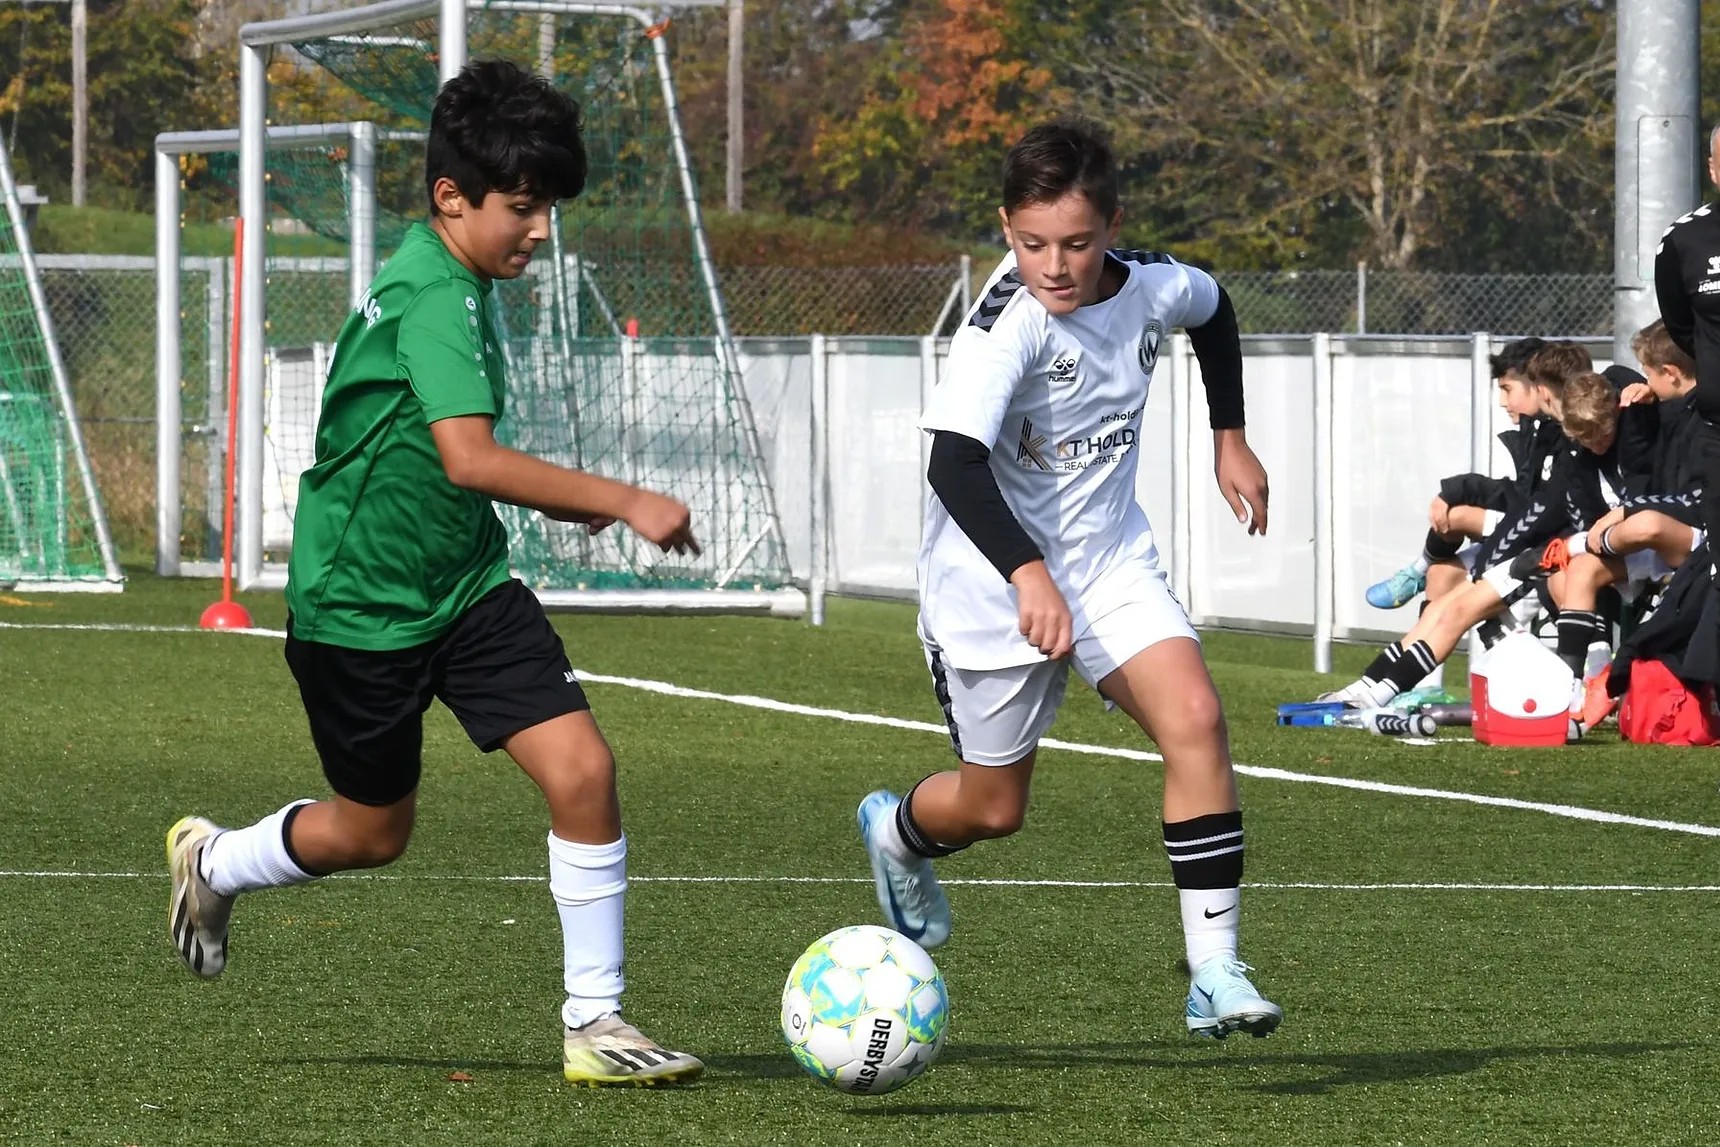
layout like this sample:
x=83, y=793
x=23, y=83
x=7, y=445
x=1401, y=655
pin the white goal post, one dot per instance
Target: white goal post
x=724, y=588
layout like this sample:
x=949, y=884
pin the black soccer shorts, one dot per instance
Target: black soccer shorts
x=501, y=669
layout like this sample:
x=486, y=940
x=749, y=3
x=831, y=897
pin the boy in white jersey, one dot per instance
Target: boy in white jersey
x=1037, y=556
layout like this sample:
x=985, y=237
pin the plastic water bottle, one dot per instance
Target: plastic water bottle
x=1449, y=714
x=1389, y=723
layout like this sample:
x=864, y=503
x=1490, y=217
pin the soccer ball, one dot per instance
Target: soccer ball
x=864, y=1010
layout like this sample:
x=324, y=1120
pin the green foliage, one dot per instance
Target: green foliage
x=63, y=229
x=144, y=78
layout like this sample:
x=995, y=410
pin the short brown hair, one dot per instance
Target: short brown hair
x=1653, y=346
x=1588, y=409
x=1556, y=364
x=1056, y=158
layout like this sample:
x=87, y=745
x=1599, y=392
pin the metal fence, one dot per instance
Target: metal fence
x=1420, y=303
x=104, y=313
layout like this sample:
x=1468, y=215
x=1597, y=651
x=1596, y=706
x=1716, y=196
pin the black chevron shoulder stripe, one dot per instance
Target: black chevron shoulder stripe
x=985, y=315
x=1143, y=257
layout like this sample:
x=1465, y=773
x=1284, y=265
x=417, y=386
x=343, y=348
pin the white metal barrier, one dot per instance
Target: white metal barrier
x=1355, y=433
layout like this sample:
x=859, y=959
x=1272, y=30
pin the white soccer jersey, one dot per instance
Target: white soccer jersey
x=1058, y=400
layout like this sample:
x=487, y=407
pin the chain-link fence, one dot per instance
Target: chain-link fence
x=1420, y=303
x=104, y=313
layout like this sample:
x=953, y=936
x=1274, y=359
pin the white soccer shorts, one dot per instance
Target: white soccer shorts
x=997, y=716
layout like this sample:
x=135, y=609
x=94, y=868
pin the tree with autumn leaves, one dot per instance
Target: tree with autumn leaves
x=1447, y=134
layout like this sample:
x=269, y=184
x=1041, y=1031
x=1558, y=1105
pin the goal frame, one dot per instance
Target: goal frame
x=112, y=579
x=254, y=134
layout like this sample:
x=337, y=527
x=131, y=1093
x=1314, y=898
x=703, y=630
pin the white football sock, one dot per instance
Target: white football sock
x=253, y=858
x=887, y=833
x=1577, y=544
x=588, y=882
x=1209, y=923
x=1420, y=564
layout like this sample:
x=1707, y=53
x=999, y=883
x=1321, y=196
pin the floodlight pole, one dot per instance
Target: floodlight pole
x=737, y=110
x=80, y=99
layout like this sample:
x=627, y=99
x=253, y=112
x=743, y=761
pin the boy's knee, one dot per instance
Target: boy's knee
x=377, y=848
x=582, y=776
x=999, y=816
x=1198, y=721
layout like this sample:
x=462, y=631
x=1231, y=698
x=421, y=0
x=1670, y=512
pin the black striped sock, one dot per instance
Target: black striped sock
x=913, y=835
x=1411, y=666
x=1439, y=549
x=1206, y=852
x=1606, y=542
x=1578, y=629
x=1380, y=666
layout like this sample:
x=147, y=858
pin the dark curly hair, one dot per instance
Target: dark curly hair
x=497, y=127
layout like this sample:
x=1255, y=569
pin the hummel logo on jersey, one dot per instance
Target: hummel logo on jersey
x=1063, y=369
x=1029, y=449
x=1151, y=337
x=1714, y=264
x=567, y=675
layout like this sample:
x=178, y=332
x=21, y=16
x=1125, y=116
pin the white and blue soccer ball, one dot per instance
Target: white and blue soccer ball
x=864, y=1010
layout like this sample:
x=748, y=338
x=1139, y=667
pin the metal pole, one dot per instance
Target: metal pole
x=818, y=500
x=1324, y=555
x=737, y=138
x=169, y=418
x=1655, y=148
x=220, y=272
x=253, y=207
x=1362, y=297
x=361, y=198
x=452, y=47
x=1480, y=404
x=967, y=284
x=80, y=99
x=546, y=46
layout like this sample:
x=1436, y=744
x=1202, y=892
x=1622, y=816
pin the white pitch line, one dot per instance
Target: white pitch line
x=126, y=627
x=1264, y=772
x=1266, y=885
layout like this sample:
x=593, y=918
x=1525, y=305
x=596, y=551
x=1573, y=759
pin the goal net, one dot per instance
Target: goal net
x=52, y=531
x=620, y=360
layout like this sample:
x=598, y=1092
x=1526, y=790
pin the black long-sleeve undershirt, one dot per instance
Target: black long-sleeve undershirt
x=960, y=475
x=1217, y=347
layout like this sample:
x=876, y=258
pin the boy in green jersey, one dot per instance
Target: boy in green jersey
x=398, y=586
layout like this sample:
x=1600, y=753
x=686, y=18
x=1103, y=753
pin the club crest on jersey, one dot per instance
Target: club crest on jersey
x=1063, y=368
x=1151, y=337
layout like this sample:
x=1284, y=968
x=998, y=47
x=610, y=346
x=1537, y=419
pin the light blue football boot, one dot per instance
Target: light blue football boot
x=909, y=895
x=1221, y=1001
x=1398, y=590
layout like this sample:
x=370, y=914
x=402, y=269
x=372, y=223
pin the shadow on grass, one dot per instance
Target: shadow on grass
x=1337, y=1071
x=1331, y=1071
x=925, y=1110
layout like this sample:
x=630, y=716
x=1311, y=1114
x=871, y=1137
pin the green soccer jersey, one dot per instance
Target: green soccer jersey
x=387, y=552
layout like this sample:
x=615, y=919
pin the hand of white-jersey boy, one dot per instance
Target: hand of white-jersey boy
x=1044, y=615
x=1241, y=478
